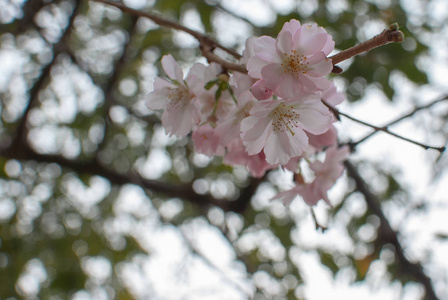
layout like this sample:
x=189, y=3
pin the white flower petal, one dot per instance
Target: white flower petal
x=254, y=132
x=265, y=49
x=171, y=68
x=284, y=43
x=272, y=74
x=298, y=143
x=277, y=148
x=314, y=116
x=158, y=99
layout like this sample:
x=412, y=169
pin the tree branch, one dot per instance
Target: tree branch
x=109, y=88
x=225, y=278
x=196, y=252
x=207, y=44
x=389, y=235
x=391, y=35
x=384, y=129
x=26, y=21
x=410, y=114
x=94, y=167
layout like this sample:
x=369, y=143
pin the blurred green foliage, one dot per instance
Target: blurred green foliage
x=46, y=217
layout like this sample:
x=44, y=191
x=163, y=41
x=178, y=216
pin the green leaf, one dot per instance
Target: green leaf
x=210, y=84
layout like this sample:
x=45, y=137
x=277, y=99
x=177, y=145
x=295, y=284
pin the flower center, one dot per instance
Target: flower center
x=295, y=63
x=179, y=96
x=285, y=118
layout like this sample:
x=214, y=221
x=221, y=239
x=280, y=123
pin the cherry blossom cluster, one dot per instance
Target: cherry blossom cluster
x=271, y=117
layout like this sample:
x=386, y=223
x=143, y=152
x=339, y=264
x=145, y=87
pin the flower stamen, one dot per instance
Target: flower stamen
x=178, y=96
x=285, y=118
x=295, y=64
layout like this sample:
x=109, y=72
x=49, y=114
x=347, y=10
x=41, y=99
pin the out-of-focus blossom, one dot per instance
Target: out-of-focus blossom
x=327, y=173
x=237, y=155
x=181, y=107
x=206, y=141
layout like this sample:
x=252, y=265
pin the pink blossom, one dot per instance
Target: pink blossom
x=295, y=62
x=326, y=173
x=181, y=108
x=288, y=196
x=330, y=170
x=240, y=83
x=206, y=141
x=237, y=155
x=249, y=50
x=278, y=127
x=310, y=193
x=261, y=91
x=210, y=106
x=326, y=139
x=229, y=128
x=331, y=95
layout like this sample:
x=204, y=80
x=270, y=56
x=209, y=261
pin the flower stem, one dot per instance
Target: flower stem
x=384, y=129
x=207, y=44
x=391, y=35
x=410, y=114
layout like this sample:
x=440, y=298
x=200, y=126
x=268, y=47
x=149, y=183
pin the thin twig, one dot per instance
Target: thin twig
x=410, y=114
x=391, y=35
x=207, y=43
x=195, y=251
x=388, y=235
x=316, y=222
x=233, y=14
x=384, y=129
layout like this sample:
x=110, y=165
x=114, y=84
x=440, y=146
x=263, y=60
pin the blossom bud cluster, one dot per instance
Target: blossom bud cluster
x=273, y=116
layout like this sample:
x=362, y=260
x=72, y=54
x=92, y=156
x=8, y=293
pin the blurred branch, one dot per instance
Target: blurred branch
x=388, y=235
x=21, y=131
x=109, y=95
x=207, y=44
x=94, y=167
x=26, y=21
x=109, y=87
x=385, y=129
x=391, y=35
x=195, y=251
x=233, y=14
x=410, y=114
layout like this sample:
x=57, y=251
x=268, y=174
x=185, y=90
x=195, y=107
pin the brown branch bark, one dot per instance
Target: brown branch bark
x=389, y=235
x=391, y=35
x=207, y=44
